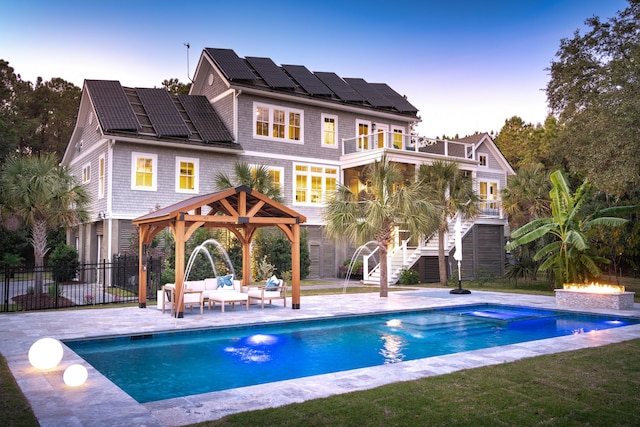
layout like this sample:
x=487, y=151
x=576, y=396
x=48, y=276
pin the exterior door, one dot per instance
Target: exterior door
x=382, y=131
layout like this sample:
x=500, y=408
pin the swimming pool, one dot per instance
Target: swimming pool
x=165, y=365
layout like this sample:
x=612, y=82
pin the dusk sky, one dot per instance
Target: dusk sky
x=467, y=65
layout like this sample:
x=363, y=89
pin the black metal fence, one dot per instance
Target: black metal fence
x=63, y=286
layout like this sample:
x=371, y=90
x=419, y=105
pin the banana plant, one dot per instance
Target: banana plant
x=568, y=252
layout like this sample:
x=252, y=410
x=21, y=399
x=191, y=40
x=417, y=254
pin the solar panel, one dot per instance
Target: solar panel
x=271, y=73
x=233, y=67
x=305, y=78
x=369, y=93
x=339, y=87
x=205, y=119
x=112, y=106
x=399, y=101
x=162, y=112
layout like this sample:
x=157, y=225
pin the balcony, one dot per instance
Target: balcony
x=404, y=142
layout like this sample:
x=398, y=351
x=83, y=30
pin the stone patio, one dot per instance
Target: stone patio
x=100, y=403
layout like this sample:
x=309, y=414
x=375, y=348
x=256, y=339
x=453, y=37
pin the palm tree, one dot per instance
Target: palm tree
x=526, y=196
x=44, y=195
x=568, y=253
x=257, y=177
x=385, y=203
x=451, y=192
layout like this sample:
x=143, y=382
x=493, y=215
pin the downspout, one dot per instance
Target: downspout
x=110, y=144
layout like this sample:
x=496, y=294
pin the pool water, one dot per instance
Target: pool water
x=174, y=364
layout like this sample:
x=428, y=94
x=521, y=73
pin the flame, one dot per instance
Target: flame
x=594, y=288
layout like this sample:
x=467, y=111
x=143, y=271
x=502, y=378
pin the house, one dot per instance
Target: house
x=138, y=149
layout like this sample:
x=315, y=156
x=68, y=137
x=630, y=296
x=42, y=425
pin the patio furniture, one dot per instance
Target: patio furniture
x=274, y=289
x=231, y=297
x=191, y=297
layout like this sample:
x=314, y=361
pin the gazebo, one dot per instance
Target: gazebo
x=241, y=210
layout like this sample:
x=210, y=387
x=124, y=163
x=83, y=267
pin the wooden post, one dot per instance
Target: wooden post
x=179, y=239
x=142, y=267
x=295, y=267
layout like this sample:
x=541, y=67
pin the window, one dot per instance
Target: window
x=397, y=138
x=363, y=132
x=329, y=131
x=186, y=175
x=489, y=196
x=86, y=173
x=314, y=183
x=144, y=171
x=277, y=176
x=101, y=177
x=483, y=160
x=278, y=123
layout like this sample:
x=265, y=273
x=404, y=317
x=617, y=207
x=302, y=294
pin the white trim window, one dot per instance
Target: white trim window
x=313, y=183
x=329, y=130
x=278, y=123
x=277, y=176
x=489, y=192
x=144, y=173
x=483, y=160
x=101, y=177
x=363, y=130
x=86, y=173
x=187, y=173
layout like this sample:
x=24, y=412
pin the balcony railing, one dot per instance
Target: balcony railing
x=401, y=141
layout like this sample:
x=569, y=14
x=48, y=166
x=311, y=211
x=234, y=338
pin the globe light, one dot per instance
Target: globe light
x=75, y=375
x=45, y=353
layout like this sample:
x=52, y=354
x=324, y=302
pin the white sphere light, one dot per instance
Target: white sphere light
x=45, y=353
x=75, y=375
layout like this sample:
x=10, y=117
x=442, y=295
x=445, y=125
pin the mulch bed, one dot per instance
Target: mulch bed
x=41, y=302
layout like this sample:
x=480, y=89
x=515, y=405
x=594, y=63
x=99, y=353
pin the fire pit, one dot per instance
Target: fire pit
x=594, y=295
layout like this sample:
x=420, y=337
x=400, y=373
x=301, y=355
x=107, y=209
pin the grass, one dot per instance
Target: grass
x=597, y=386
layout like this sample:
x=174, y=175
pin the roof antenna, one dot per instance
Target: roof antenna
x=188, y=74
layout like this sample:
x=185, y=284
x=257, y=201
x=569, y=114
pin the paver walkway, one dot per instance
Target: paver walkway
x=100, y=403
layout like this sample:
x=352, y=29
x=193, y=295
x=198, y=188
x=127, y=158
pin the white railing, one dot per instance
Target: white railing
x=401, y=141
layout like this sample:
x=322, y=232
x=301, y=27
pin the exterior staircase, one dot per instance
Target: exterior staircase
x=405, y=256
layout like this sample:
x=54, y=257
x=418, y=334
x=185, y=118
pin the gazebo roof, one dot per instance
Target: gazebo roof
x=239, y=205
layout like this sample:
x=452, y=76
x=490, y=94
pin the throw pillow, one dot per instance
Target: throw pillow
x=273, y=281
x=225, y=282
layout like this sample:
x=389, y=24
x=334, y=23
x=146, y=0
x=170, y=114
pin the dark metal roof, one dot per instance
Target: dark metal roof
x=112, y=107
x=233, y=67
x=204, y=118
x=339, y=86
x=307, y=80
x=400, y=103
x=369, y=92
x=155, y=114
x=162, y=112
x=271, y=73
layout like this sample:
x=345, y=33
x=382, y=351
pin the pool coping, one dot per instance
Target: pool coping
x=100, y=403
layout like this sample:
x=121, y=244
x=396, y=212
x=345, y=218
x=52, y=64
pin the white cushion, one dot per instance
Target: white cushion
x=211, y=284
x=196, y=285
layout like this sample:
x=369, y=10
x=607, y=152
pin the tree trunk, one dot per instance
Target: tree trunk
x=39, y=242
x=442, y=264
x=384, y=279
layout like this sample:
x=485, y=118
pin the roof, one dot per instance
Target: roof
x=297, y=80
x=156, y=114
x=239, y=205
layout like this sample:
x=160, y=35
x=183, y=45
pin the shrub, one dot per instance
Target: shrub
x=64, y=259
x=409, y=277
